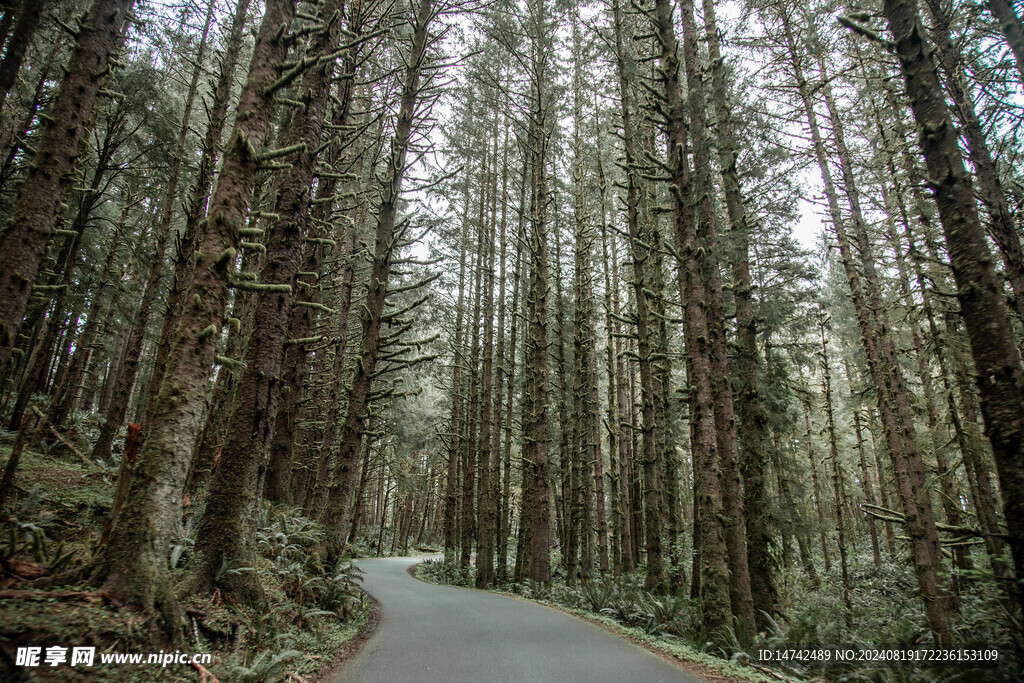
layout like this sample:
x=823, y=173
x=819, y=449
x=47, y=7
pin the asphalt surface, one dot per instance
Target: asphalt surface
x=439, y=633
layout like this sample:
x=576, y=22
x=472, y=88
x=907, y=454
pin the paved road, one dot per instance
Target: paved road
x=439, y=633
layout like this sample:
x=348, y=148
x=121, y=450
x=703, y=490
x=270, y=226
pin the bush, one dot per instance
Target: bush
x=447, y=573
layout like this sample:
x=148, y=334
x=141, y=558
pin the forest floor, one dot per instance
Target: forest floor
x=58, y=517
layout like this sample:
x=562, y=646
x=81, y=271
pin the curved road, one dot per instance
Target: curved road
x=439, y=633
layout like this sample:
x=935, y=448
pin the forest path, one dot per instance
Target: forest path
x=440, y=633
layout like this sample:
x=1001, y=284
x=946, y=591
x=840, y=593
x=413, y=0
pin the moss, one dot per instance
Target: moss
x=67, y=485
x=70, y=501
x=80, y=623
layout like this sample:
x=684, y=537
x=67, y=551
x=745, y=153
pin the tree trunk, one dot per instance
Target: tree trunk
x=1000, y=373
x=278, y=487
x=470, y=451
x=495, y=537
x=819, y=502
x=535, y=426
x=709, y=531
x=890, y=391
x=653, y=438
x=195, y=209
x=753, y=419
x=506, y=479
x=455, y=423
x=226, y=533
x=611, y=421
x=869, y=493
x=725, y=427
x=14, y=51
x=133, y=564
x=338, y=511
x=1010, y=25
x=485, y=524
x=53, y=168
x=837, y=474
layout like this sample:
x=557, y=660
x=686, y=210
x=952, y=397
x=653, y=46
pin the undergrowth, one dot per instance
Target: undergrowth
x=313, y=608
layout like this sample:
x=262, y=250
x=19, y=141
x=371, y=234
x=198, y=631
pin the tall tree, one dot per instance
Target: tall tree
x=133, y=564
x=226, y=533
x=53, y=168
x=709, y=533
x=416, y=78
x=753, y=419
x=1000, y=374
x=535, y=424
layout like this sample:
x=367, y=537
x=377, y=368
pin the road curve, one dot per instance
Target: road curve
x=439, y=633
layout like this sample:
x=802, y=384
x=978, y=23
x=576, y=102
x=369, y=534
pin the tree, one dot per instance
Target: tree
x=338, y=511
x=97, y=42
x=132, y=565
x=1000, y=373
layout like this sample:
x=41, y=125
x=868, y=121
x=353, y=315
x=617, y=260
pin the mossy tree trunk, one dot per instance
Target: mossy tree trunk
x=752, y=417
x=29, y=15
x=535, y=419
x=226, y=533
x=52, y=172
x=195, y=207
x=1000, y=374
x=132, y=567
x=725, y=424
x=337, y=514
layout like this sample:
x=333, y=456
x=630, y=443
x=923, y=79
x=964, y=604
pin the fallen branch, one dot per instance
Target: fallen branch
x=886, y=515
x=62, y=438
x=769, y=672
x=17, y=594
x=204, y=675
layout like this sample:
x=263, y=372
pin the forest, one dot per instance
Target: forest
x=700, y=320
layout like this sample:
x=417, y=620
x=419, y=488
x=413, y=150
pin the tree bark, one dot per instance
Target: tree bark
x=226, y=533
x=1000, y=373
x=485, y=520
x=14, y=51
x=753, y=420
x=837, y=473
x=337, y=515
x=195, y=208
x=709, y=532
x=619, y=533
x=133, y=564
x=535, y=427
x=278, y=486
x=725, y=427
x=53, y=168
